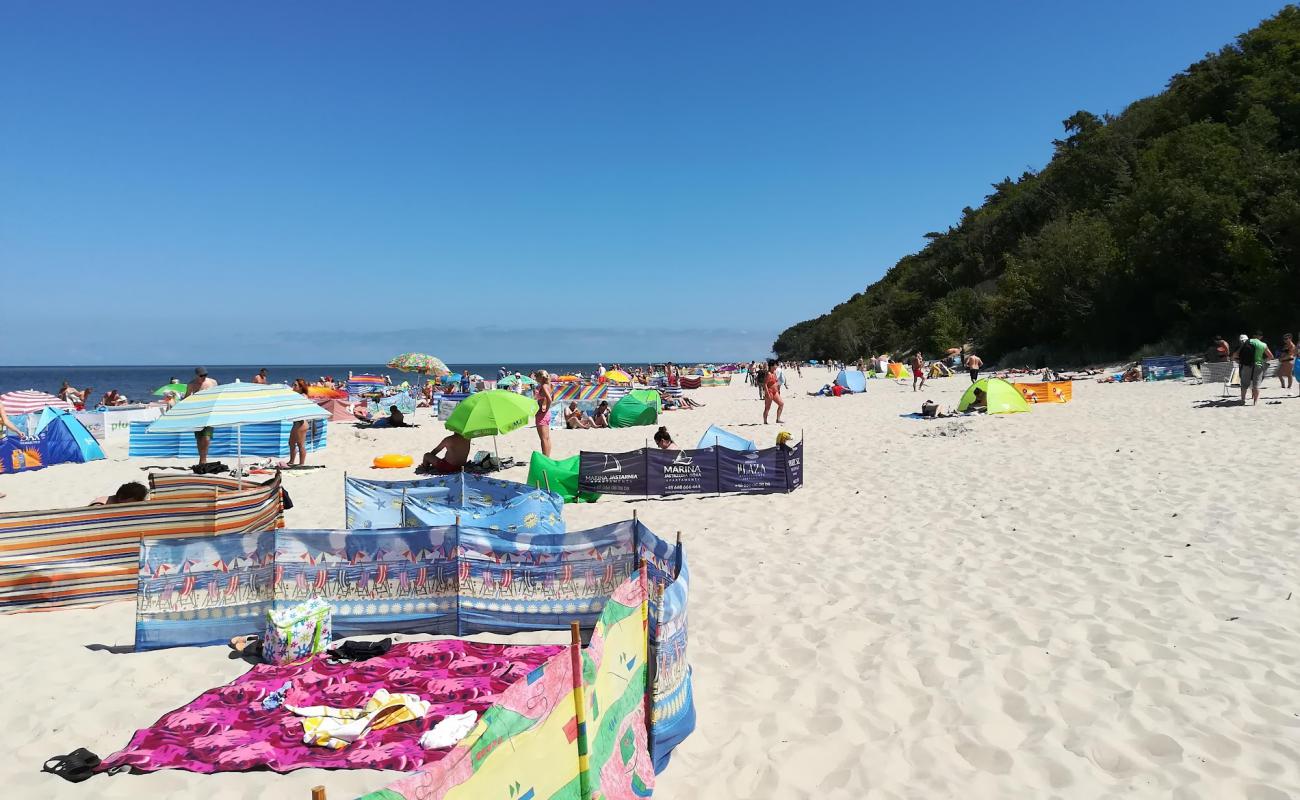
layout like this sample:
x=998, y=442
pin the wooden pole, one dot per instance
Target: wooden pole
x=575, y=651
x=318, y=793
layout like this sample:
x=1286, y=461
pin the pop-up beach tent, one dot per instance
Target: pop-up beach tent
x=60, y=439
x=897, y=370
x=65, y=440
x=717, y=436
x=851, y=380
x=559, y=476
x=1002, y=397
x=640, y=407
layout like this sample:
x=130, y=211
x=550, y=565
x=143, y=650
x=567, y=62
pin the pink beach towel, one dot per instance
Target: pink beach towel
x=226, y=729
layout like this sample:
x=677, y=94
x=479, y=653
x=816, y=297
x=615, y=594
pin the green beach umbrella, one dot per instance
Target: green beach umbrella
x=419, y=362
x=178, y=388
x=510, y=380
x=490, y=413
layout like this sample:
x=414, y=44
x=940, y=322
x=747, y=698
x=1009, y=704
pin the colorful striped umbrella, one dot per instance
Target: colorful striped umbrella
x=237, y=404
x=419, y=362
x=30, y=401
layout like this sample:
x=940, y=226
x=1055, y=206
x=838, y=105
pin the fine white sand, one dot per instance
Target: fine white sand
x=1091, y=600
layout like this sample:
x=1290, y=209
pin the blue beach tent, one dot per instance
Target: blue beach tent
x=717, y=436
x=851, y=380
x=65, y=440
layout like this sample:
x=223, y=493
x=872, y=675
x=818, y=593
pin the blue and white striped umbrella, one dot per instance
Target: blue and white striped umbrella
x=237, y=404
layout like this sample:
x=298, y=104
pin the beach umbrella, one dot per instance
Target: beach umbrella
x=511, y=380
x=490, y=413
x=237, y=405
x=454, y=377
x=419, y=362
x=178, y=388
x=567, y=378
x=617, y=376
x=30, y=401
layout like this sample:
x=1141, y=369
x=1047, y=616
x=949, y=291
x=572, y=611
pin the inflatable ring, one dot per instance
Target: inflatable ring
x=392, y=461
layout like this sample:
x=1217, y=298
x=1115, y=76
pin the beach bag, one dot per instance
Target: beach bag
x=294, y=633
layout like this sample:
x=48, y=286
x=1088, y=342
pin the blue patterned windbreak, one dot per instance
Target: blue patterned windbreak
x=468, y=500
x=203, y=590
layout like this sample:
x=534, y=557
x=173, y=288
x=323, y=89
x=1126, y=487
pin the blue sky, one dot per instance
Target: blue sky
x=300, y=182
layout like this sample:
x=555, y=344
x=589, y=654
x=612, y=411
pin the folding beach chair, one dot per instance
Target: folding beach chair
x=1219, y=372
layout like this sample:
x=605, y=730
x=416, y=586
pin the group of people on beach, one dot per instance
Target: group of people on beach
x=1252, y=356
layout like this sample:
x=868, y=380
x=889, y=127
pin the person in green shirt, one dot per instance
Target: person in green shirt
x=1252, y=357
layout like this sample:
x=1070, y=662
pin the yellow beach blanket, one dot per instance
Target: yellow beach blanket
x=336, y=728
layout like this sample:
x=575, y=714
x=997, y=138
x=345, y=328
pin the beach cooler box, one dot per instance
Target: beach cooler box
x=297, y=632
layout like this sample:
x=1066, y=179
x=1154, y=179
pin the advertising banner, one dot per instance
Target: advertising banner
x=613, y=473
x=682, y=471
x=706, y=470
x=754, y=472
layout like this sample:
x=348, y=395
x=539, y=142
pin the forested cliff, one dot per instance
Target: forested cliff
x=1152, y=229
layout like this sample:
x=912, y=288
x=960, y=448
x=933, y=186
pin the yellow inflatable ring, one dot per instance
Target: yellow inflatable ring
x=392, y=461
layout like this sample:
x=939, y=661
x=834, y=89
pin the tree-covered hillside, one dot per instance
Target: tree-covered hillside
x=1156, y=228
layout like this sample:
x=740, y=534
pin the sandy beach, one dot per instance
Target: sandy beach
x=1090, y=600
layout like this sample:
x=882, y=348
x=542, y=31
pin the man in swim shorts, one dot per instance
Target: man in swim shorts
x=203, y=436
x=457, y=453
x=1252, y=355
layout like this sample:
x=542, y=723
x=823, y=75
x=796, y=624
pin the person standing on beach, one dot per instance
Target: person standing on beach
x=1286, y=361
x=203, y=436
x=8, y=424
x=260, y=377
x=1221, y=350
x=542, y=394
x=973, y=364
x=298, y=433
x=772, y=387
x=918, y=369
x=1252, y=355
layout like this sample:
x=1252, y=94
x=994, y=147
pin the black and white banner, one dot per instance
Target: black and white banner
x=710, y=470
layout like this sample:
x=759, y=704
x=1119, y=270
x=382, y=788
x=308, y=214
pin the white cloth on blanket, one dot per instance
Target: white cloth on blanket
x=449, y=730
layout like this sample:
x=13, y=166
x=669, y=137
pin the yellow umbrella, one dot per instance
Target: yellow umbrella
x=617, y=376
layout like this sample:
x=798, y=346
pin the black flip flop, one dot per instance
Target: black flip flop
x=74, y=767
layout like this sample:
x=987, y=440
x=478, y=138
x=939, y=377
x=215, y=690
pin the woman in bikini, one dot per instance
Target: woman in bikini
x=542, y=394
x=1286, y=362
x=298, y=433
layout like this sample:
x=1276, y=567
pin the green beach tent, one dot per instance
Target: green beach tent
x=559, y=476
x=640, y=407
x=1002, y=397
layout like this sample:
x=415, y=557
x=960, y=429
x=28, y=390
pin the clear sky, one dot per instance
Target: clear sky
x=298, y=182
